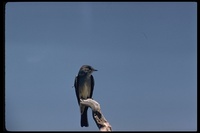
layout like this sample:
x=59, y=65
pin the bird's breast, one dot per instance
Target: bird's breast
x=85, y=89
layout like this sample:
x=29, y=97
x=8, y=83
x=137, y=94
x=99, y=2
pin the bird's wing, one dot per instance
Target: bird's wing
x=92, y=86
x=76, y=88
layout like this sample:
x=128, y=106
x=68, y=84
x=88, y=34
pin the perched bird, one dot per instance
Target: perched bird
x=84, y=85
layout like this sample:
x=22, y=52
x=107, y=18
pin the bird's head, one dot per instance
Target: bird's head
x=86, y=70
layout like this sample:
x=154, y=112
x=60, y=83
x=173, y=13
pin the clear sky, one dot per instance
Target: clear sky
x=145, y=54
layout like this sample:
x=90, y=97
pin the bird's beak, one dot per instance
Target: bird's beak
x=95, y=70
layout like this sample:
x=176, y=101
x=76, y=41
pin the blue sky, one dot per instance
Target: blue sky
x=145, y=54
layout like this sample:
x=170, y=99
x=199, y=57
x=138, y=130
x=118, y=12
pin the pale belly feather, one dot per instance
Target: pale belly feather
x=85, y=91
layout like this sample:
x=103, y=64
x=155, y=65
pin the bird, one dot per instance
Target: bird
x=84, y=86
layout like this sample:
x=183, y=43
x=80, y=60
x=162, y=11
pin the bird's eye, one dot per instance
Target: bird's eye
x=89, y=68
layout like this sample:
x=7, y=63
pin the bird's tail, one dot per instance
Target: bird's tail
x=84, y=119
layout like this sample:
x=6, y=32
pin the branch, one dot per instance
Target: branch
x=98, y=117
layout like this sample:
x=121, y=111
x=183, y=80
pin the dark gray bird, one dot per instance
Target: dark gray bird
x=84, y=85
